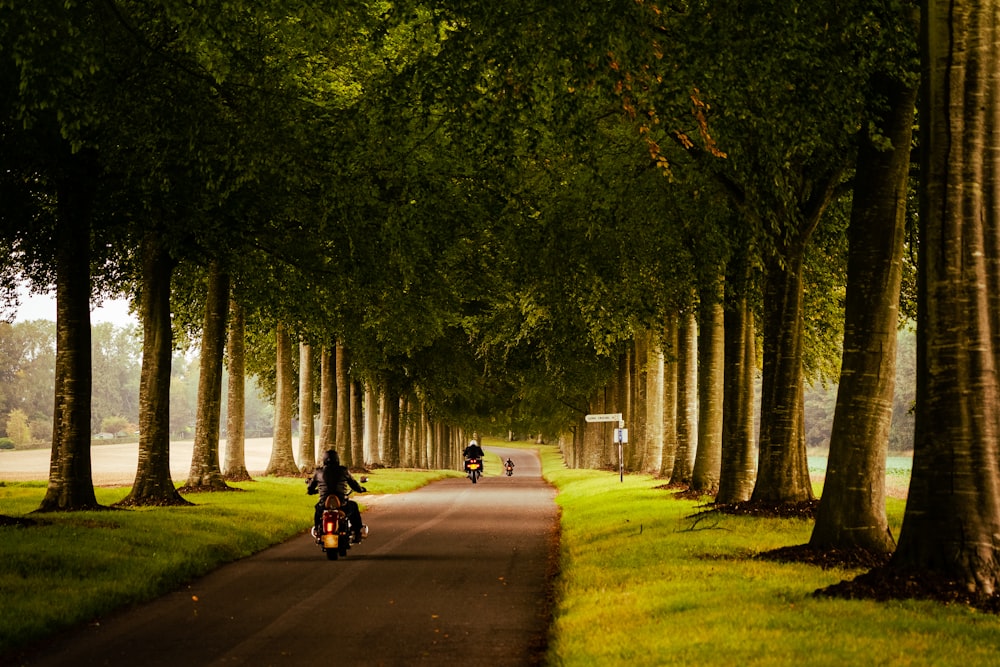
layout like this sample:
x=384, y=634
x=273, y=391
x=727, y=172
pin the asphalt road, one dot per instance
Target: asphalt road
x=453, y=573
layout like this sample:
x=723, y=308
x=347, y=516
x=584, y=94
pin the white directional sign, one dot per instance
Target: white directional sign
x=610, y=417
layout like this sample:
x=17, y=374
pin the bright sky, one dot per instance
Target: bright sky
x=43, y=307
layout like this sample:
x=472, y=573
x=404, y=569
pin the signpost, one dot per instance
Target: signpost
x=620, y=436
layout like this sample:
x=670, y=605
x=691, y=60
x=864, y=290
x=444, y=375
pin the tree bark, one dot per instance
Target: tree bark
x=307, y=431
x=687, y=400
x=711, y=352
x=153, y=484
x=235, y=467
x=952, y=519
x=358, y=423
x=739, y=466
x=668, y=347
x=343, y=420
x=390, y=428
x=205, y=470
x=282, y=462
x=71, y=482
x=783, y=469
x=373, y=456
x=851, y=511
x=327, y=401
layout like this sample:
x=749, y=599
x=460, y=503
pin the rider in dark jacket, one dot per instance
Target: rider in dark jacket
x=473, y=451
x=333, y=479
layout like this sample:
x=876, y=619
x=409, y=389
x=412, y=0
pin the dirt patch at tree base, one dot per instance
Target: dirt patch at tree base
x=884, y=583
x=805, y=509
x=827, y=558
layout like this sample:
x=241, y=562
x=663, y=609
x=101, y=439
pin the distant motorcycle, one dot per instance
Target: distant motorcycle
x=509, y=468
x=474, y=469
x=334, y=534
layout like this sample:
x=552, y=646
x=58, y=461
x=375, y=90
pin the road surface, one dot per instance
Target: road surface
x=453, y=573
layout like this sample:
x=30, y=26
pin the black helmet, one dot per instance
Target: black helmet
x=331, y=458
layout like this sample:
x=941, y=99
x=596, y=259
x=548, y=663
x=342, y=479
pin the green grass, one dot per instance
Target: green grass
x=73, y=567
x=645, y=583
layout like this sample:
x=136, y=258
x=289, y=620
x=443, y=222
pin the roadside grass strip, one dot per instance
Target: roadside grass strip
x=645, y=580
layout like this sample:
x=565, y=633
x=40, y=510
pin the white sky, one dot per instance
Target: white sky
x=43, y=307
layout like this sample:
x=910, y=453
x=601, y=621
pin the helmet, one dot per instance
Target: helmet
x=331, y=458
x=471, y=443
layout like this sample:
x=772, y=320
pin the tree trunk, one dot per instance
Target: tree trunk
x=851, y=512
x=390, y=428
x=637, y=450
x=373, y=418
x=153, y=484
x=358, y=423
x=668, y=347
x=783, y=470
x=687, y=400
x=71, y=482
x=282, y=462
x=739, y=466
x=235, y=467
x=327, y=401
x=711, y=353
x=205, y=470
x=307, y=434
x=343, y=420
x=952, y=518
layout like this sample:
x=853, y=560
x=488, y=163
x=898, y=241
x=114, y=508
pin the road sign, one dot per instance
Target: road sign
x=610, y=417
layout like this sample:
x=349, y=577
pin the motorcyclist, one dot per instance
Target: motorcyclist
x=508, y=464
x=333, y=479
x=473, y=451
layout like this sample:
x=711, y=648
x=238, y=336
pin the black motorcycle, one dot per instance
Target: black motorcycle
x=508, y=468
x=474, y=468
x=335, y=529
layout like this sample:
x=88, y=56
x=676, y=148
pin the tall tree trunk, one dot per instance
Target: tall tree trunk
x=952, y=519
x=153, y=484
x=687, y=399
x=327, y=400
x=390, y=427
x=307, y=434
x=343, y=420
x=739, y=466
x=71, y=483
x=235, y=466
x=373, y=418
x=205, y=469
x=638, y=371
x=668, y=347
x=711, y=357
x=282, y=462
x=851, y=511
x=358, y=423
x=783, y=470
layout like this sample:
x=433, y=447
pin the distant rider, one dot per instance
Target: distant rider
x=508, y=464
x=473, y=451
x=333, y=479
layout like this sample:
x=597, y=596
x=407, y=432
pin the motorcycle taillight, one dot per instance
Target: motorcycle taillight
x=330, y=526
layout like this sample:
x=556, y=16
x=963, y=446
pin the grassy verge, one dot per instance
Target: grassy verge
x=643, y=582
x=69, y=568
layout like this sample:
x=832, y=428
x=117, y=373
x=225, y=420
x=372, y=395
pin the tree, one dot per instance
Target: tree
x=205, y=468
x=17, y=428
x=153, y=484
x=282, y=461
x=307, y=431
x=953, y=513
x=235, y=468
x=851, y=512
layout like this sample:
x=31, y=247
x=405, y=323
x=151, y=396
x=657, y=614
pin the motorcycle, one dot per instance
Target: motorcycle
x=474, y=469
x=335, y=529
x=509, y=469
